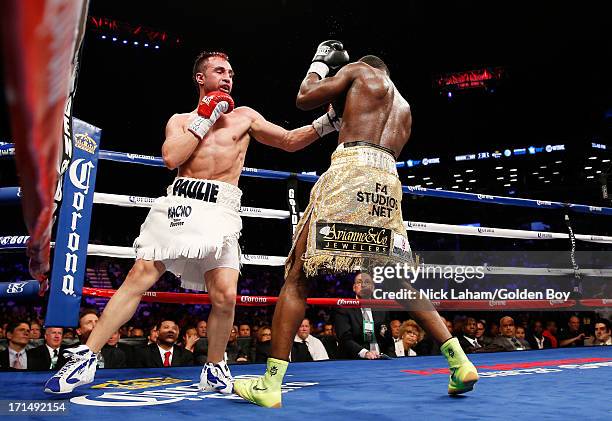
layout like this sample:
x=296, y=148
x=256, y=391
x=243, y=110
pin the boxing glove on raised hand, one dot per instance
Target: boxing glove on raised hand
x=209, y=110
x=327, y=123
x=330, y=55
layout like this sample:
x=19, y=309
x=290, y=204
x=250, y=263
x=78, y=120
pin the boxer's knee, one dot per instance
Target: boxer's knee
x=143, y=275
x=223, y=299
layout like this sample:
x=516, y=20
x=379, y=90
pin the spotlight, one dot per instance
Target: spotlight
x=114, y=38
x=103, y=37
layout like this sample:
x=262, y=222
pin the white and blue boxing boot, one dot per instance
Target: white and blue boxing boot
x=79, y=370
x=216, y=377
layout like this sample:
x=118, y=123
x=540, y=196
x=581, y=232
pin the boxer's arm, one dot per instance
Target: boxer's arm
x=315, y=92
x=273, y=135
x=179, y=144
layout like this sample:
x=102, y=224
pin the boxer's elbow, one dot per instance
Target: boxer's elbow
x=169, y=160
x=303, y=100
x=299, y=102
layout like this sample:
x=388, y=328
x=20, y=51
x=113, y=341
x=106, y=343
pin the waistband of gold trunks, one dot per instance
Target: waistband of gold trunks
x=365, y=153
x=211, y=191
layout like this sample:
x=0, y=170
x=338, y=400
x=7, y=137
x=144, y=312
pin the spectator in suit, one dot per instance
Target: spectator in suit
x=306, y=347
x=602, y=333
x=508, y=340
x=449, y=325
x=572, y=336
x=410, y=334
x=109, y=357
x=189, y=338
x=329, y=340
x=394, y=348
x=112, y=355
x=233, y=351
x=328, y=330
x=467, y=339
x=551, y=333
x=137, y=332
x=244, y=330
x=536, y=338
x=262, y=347
x=15, y=356
x=493, y=330
x=68, y=334
x=202, y=328
x=481, y=328
x=152, y=337
x=165, y=352
x=519, y=332
x=45, y=357
x=35, y=330
x=359, y=329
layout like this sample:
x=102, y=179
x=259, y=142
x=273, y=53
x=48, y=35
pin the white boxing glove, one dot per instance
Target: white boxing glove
x=327, y=123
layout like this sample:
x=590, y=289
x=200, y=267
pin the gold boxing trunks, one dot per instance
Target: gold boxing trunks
x=354, y=217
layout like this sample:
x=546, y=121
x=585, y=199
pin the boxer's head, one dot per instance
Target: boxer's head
x=213, y=72
x=375, y=62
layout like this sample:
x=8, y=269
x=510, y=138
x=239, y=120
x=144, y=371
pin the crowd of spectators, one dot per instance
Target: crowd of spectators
x=337, y=334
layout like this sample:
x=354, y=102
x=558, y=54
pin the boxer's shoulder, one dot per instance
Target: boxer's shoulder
x=180, y=119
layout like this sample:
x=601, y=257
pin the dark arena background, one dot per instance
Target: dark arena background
x=508, y=167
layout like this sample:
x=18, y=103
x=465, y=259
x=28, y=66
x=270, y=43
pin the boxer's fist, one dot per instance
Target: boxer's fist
x=327, y=123
x=330, y=55
x=216, y=100
x=209, y=110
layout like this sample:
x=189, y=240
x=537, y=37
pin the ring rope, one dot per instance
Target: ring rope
x=15, y=242
x=251, y=300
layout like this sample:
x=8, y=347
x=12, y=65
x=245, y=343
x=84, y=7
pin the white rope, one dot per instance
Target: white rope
x=147, y=202
x=129, y=253
x=263, y=260
x=500, y=232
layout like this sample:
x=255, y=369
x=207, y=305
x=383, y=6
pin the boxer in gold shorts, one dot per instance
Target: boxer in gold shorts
x=354, y=218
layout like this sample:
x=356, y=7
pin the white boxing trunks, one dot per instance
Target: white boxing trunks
x=192, y=230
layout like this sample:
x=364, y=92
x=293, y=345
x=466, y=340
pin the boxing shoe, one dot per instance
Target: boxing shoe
x=265, y=390
x=216, y=378
x=79, y=370
x=463, y=375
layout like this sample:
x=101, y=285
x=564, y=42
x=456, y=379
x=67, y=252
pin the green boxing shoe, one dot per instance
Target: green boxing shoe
x=463, y=375
x=266, y=390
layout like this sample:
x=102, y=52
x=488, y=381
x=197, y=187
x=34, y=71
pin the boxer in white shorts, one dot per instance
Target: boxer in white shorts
x=193, y=231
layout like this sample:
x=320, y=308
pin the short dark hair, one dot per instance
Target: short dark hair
x=167, y=319
x=201, y=59
x=86, y=312
x=375, y=62
x=10, y=328
x=605, y=322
